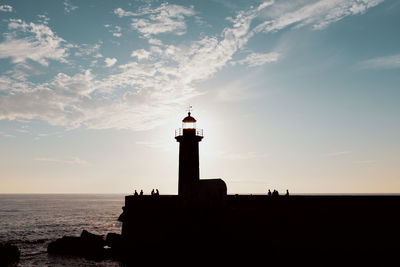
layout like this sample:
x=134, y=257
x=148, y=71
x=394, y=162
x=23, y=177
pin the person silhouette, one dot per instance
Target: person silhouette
x=269, y=193
x=152, y=192
x=135, y=194
x=141, y=192
x=157, y=193
x=287, y=192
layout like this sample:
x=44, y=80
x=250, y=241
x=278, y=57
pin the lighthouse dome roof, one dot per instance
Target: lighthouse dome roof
x=189, y=118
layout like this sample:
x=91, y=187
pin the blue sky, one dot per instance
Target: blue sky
x=298, y=95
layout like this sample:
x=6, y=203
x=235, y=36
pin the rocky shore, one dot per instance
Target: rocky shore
x=9, y=255
x=88, y=245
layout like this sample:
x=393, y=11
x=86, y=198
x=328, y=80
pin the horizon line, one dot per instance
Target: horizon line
x=232, y=194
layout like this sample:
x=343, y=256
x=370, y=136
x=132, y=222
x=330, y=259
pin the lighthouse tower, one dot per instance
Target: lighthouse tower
x=188, y=137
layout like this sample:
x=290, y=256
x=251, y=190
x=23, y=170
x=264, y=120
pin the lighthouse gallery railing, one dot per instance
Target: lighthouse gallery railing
x=179, y=132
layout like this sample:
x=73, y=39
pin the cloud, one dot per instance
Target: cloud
x=122, y=13
x=237, y=90
x=68, y=6
x=256, y=59
x=164, y=19
x=71, y=160
x=387, y=62
x=21, y=71
x=87, y=49
x=141, y=93
x=43, y=19
x=159, y=145
x=154, y=41
x=6, y=8
x=40, y=45
x=116, y=30
x=140, y=54
x=6, y=135
x=59, y=102
x=110, y=61
x=318, y=14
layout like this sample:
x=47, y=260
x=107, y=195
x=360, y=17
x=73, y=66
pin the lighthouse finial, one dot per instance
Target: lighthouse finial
x=189, y=109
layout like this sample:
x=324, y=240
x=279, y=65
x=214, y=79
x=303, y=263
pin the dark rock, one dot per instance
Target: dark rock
x=66, y=245
x=9, y=255
x=87, y=245
x=92, y=240
x=113, y=240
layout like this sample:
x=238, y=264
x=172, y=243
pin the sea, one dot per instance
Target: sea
x=32, y=221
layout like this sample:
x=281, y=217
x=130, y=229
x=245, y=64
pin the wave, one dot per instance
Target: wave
x=9, y=210
x=30, y=242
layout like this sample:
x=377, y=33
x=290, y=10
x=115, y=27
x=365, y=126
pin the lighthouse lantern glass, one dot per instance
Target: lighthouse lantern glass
x=189, y=125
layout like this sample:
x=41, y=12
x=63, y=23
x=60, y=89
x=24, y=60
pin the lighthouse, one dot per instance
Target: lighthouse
x=195, y=192
x=189, y=173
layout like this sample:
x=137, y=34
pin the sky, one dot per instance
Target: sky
x=298, y=95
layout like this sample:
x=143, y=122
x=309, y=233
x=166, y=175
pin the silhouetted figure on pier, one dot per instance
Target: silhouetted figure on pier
x=152, y=192
x=287, y=193
x=135, y=194
x=157, y=193
x=141, y=192
x=275, y=193
x=269, y=193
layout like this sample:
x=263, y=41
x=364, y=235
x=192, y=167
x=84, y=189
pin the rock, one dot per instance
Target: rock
x=113, y=240
x=9, y=255
x=70, y=245
x=92, y=240
x=87, y=245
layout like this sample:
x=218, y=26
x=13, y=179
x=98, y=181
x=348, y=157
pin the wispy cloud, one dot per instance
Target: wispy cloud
x=110, y=61
x=166, y=146
x=22, y=70
x=140, y=93
x=140, y=54
x=258, y=59
x=387, y=62
x=122, y=13
x=69, y=7
x=236, y=90
x=6, y=8
x=41, y=45
x=23, y=131
x=6, y=135
x=87, y=49
x=318, y=14
x=164, y=19
x=116, y=30
x=71, y=160
x=57, y=102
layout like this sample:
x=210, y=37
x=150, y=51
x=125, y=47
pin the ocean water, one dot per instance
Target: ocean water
x=32, y=221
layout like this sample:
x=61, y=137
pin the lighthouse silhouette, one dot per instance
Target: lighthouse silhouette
x=189, y=172
x=193, y=191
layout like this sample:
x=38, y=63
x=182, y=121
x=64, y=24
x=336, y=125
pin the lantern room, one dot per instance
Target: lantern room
x=189, y=123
